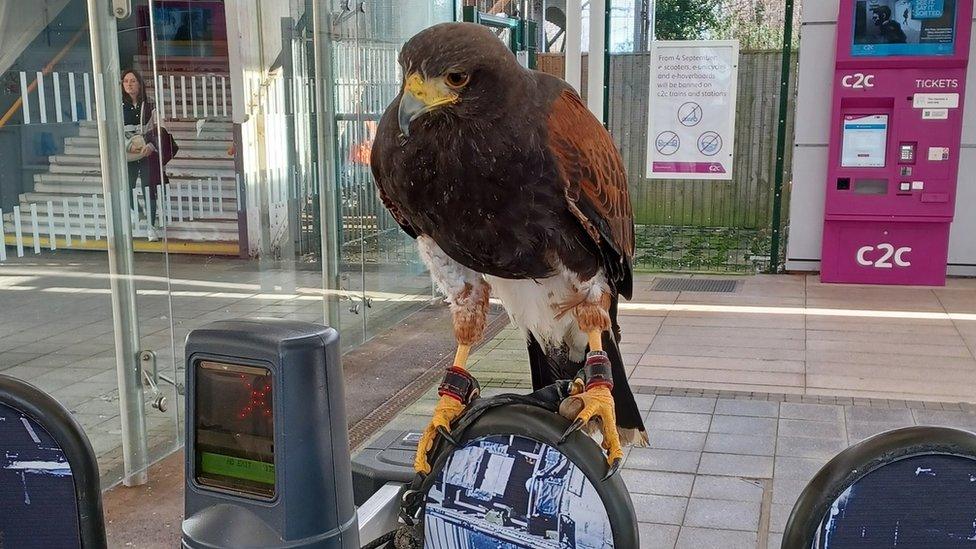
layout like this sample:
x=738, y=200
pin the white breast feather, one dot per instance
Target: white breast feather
x=533, y=306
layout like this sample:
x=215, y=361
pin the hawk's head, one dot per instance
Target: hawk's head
x=456, y=71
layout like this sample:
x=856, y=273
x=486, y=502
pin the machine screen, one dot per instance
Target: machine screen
x=234, y=428
x=885, y=28
x=865, y=141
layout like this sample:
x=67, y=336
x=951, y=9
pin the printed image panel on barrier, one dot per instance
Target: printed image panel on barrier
x=34, y=475
x=887, y=28
x=920, y=501
x=509, y=491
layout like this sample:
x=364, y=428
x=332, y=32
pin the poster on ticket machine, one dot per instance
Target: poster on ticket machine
x=691, y=117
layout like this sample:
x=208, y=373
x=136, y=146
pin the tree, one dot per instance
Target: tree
x=685, y=19
x=756, y=24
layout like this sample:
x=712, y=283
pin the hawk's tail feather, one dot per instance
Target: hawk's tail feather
x=628, y=414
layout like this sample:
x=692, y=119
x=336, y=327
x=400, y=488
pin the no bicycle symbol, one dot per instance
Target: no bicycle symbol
x=709, y=143
x=690, y=114
x=667, y=143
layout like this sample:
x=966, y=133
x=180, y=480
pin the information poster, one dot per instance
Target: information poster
x=865, y=141
x=904, y=27
x=691, y=121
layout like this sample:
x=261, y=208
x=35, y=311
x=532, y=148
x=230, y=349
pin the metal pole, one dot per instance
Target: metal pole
x=541, y=39
x=651, y=22
x=115, y=186
x=573, y=44
x=594, y=60
x=606, y=64
x=784, y=101
x=291, y=152
x=325, y=126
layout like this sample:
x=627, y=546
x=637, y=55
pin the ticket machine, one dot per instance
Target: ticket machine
x=899, y=82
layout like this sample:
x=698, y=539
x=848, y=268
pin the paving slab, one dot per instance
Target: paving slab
x=811, y=429
x=722, y=514
x=740, y=444
x=659, y=509
x=736, y=465
x=807, y=447
x=658, y=482
x=696, y=538
x=670, y=420
x=743, y=425
x=653, y=459
x=674, y=440
x=727, y=488
x=694, y=405
x=749, y=408
x=662, y=536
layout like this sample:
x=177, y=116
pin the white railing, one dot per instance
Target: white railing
x=79, y=88
x=177, y=96
x=68, y=96
x=82, y=218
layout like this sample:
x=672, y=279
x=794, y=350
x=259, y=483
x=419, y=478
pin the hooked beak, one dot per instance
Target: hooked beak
x=422, y=96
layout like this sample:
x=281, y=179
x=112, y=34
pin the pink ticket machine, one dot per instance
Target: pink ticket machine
x=899, y=82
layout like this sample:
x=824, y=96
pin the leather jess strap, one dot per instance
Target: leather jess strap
x=459, y=385
x=596, y=371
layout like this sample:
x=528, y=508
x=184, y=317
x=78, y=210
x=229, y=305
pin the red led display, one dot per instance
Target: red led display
x=259, y=401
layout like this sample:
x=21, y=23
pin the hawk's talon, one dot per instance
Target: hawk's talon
x=596, y=403
x=614, y=468
x=447, y=410
x=573, y=427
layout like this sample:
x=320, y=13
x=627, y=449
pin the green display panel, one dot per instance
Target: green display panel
x=234, y=428
x=240, y=468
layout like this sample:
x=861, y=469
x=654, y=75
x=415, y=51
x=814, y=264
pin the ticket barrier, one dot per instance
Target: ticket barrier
x=49, y=485
x=911, y=487
x=267, y=460
x=506, y=481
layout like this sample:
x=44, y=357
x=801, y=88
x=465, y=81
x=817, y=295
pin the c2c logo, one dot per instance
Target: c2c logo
x=883, y=262
x=858, y=81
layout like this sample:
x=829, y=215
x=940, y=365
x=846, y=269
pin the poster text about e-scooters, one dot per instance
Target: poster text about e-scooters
x=691, y=122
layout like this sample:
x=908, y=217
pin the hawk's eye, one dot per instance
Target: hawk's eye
x=457, y=79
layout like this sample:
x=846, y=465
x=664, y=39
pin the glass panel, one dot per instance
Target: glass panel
x=237, y=89
x=240, y=202
x=353, y=177
x=57, y=325
x=148, y=111
x=396, y=283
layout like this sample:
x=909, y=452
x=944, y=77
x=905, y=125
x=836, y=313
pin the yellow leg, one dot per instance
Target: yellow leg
x=447, y=410
x=461, y=356
x=597, y=403
x=469, y=310
x=596, y=340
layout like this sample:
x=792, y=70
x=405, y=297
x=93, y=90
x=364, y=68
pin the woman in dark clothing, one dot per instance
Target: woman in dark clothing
x=144, y=163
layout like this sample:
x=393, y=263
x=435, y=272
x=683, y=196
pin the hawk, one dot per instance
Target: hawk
x=511, y=186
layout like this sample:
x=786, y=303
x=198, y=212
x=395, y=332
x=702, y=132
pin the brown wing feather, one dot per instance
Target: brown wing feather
x=376, y=163
x=593, y=172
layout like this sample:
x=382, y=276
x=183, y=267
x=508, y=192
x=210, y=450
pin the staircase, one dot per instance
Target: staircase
x=198, y=208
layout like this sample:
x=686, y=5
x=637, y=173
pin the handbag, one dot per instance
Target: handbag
x=135, y=148
x=166, y=146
